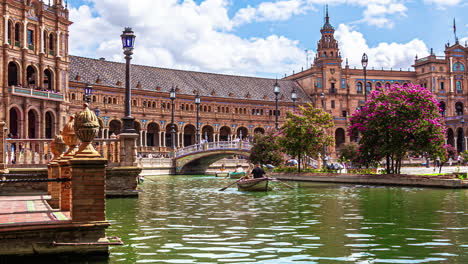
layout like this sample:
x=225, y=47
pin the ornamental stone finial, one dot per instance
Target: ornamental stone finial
x=58, y=146
x=70, y=138
x=86, y=128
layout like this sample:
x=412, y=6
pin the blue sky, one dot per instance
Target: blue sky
x=264, y=37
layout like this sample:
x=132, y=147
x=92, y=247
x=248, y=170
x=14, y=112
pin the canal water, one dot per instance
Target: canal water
x=186, y=219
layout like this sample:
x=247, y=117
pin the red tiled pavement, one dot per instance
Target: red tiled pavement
x=24, y=210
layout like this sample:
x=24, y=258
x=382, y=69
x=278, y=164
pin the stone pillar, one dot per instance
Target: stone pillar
x=54, y=187
x=159, y=139
x=65, y=188
x=88, y=189
x=163, y=138
x=3, y=153
x=128, y=149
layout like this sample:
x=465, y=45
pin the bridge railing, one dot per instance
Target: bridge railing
x=220, y=145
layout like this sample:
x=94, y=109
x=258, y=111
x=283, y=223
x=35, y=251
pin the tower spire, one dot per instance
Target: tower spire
x=327, y=18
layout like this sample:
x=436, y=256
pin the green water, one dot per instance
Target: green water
x=188, y=220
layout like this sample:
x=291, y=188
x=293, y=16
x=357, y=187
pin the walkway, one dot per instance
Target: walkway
x=29, y=210
x=424, y=170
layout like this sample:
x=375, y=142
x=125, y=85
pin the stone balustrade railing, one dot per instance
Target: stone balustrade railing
x=109, y=149
x=27, y=152
x=221, y=145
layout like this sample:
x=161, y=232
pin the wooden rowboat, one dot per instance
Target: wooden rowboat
x=222, y=174
x=236, y=175
x=253, y=185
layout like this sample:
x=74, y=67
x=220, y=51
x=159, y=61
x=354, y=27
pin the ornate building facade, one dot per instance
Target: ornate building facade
x=42, y=85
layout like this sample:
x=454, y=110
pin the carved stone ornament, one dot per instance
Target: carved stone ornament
x=86, y=129
x=70, y=138
x=58, y=147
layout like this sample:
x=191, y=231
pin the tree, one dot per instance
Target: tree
x=349, y=152
x=265, y=150
x=305, y=132
x=397, y=120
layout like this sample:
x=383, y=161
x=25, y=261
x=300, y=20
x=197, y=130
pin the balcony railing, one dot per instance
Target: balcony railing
x=27, y=92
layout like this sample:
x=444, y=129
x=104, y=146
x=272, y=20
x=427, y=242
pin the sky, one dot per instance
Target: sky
x=264, y=38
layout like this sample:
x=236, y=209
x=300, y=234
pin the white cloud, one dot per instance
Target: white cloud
x=386, y=55
x=270, y=11
x=182, y=35
x=443, y=3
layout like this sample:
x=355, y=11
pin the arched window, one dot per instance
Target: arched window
x=387, y=85
x=378, y=85
x=73, y=96
x=48, y=80
x=359, y=88
x=13, y=74
x=114, y=100
x=31, y=77
x=458, y=66
x=369, y=86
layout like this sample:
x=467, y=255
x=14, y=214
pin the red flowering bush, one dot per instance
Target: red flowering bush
x=397, y=120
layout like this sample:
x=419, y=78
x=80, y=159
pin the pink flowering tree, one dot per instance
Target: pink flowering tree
x=305, y=132
x=397, y=120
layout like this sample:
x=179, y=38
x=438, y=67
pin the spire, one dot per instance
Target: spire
x=455, y=31
x=327, y=18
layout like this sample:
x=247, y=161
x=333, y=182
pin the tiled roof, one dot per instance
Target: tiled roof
x=161, y=79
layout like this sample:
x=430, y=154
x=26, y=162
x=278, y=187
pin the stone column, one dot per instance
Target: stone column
x=88, y=189
x=159, y=139
x=163, y=139
x=128, y=149
x=3, y=154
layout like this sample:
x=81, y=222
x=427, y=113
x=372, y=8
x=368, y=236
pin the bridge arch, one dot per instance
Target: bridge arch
x=196, y=159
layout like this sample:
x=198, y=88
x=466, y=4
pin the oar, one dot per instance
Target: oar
x=276, y=180
x=228, y=186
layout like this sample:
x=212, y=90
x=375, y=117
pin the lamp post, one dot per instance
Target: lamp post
x=172, y=96
x=364, y=62
x=324, y=150
x=276, y=90
x=88, y=90
x=197, y=103
x=294, y=98
x=128, y=43
x=463, y=134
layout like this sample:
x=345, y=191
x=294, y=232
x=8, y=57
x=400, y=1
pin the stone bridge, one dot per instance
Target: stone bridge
x=196, y=159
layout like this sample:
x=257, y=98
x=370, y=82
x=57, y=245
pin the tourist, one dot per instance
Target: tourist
x=450, y=161
x=239, y=169
x=258, y=172
x=459, y=159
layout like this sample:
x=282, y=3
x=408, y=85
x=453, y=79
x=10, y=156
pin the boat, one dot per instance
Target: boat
x=253, y=185
x=221, y=174
x=237, y=175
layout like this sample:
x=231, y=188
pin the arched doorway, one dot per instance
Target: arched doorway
x=15, y=124
x=460, y=140
x=259, y=130
x=152, y=135
x=189, y=135
x=13, y=74
x=242, y=132
x=48, y=80
x=450, y=137
x=33, y=124
x=114, y=127
x=49, y=125
x=31, y=77
x=207, y=133
x=339, y=138
x=224, y=133
x=169, y=135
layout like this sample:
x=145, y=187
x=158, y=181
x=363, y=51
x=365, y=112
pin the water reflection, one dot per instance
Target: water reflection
x=188, y=220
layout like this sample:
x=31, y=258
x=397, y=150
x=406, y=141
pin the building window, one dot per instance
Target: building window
x=369, y=86
x=343, y=83
x=30, y=39
x=441, y=69
x=319, y=82
x=332, y=89
x=345, y=114
x=459, y=87
x=17, y=34
x=332, y=104
x=359, y=88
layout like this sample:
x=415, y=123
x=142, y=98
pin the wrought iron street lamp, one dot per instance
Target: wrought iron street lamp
x=197, y=103
x=276, y=90
x=294, y=98
x=172, y=96
x=88, y=90
x=364, y=62
x=324, y=149
x=128, y=43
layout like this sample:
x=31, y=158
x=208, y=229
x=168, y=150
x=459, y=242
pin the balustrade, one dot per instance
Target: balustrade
x=220, y=145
